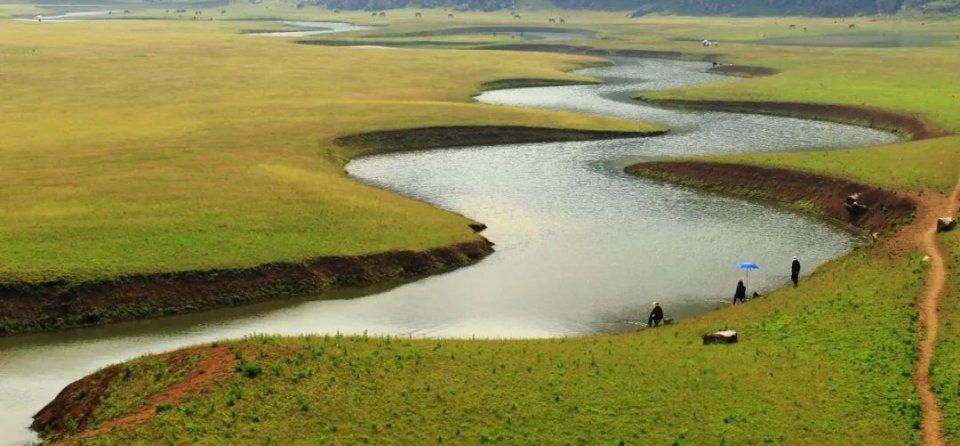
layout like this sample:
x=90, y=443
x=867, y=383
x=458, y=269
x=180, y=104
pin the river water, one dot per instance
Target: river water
x=581, y=246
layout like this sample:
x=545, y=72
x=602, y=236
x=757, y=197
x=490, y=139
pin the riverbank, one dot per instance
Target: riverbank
x=46, y=306
x=800, y=191
x=908, y=126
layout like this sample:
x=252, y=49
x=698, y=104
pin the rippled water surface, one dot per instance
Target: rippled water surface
x=581, y=247
x=314, y=28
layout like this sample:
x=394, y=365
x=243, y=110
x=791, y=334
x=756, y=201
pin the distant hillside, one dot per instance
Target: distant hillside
x=695, y=7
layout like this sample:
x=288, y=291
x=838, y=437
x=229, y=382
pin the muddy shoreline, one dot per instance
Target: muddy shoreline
x=465, y=136
x=909, y=126
x=887, y=210
x=46, y=306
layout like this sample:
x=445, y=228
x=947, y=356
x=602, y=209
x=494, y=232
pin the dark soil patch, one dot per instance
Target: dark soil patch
x=75, y=406
x=503, y=84
x=463, y=136
x=743, y=70
x=887, y=209
x=590, y=51
x=44, y=306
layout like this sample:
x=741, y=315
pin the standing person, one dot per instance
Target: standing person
x=656, y=315
x=795, y=272
x=741, y=294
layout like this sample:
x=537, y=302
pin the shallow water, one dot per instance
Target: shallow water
x=314, y=28
x=581, y=246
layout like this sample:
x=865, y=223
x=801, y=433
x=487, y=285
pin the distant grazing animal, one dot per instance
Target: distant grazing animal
x=553, y=20
x=418, y=15
x=40, y=18
x=852, y=26
x=449, y=16
x=336, y=11
x=224, y=11
x=516, y=16
x=383, y=14
x=373, y=14
x=562, y=21
x=793, y=26
x=804, y=29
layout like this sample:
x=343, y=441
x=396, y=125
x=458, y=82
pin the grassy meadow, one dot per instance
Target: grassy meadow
x=143, y=146
x=146, y=146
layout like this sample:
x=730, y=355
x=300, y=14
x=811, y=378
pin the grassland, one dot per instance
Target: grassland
x=214, y=149
x=817, y=365
x=828, y=363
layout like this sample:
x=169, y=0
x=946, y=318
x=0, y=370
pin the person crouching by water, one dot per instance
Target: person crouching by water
x=741, y=294
x=795, y=272
x=656, y=315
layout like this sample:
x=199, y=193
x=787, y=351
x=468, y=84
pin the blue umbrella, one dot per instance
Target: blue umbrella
x=747, y=266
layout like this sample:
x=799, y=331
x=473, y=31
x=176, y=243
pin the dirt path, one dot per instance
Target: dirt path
x=219, y=363
x=929, y=306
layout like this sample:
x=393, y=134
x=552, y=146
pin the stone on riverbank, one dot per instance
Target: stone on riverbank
x=721, y=337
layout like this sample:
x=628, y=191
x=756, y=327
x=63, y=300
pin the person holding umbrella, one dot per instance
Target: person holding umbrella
x=795, y=272
x=741, y=294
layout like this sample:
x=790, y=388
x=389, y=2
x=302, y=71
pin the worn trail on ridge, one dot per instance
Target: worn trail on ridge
x=929, y=306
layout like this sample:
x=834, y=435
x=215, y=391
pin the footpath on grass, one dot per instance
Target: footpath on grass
x=929, y=307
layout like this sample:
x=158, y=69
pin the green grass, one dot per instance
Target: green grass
x=214, y=149
x=912, y=165
x=945, y=372
x=823, y=364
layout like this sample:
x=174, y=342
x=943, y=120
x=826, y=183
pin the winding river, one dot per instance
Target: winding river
x=581, y=246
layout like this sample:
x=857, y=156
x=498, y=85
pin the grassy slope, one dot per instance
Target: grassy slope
x=133, y=147
x=820, y=364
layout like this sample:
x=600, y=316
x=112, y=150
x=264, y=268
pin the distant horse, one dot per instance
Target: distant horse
x=553, y=20
x=418, y=15
x=449, y=16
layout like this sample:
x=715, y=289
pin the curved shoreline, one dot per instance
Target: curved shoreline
x=909, y=126
x=55, y=305
x=793, y=189
x=386, y=141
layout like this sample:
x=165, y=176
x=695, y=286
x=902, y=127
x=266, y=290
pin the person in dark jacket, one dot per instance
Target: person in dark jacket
x=656, y=315
x=795, y=272
x=741, y=294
